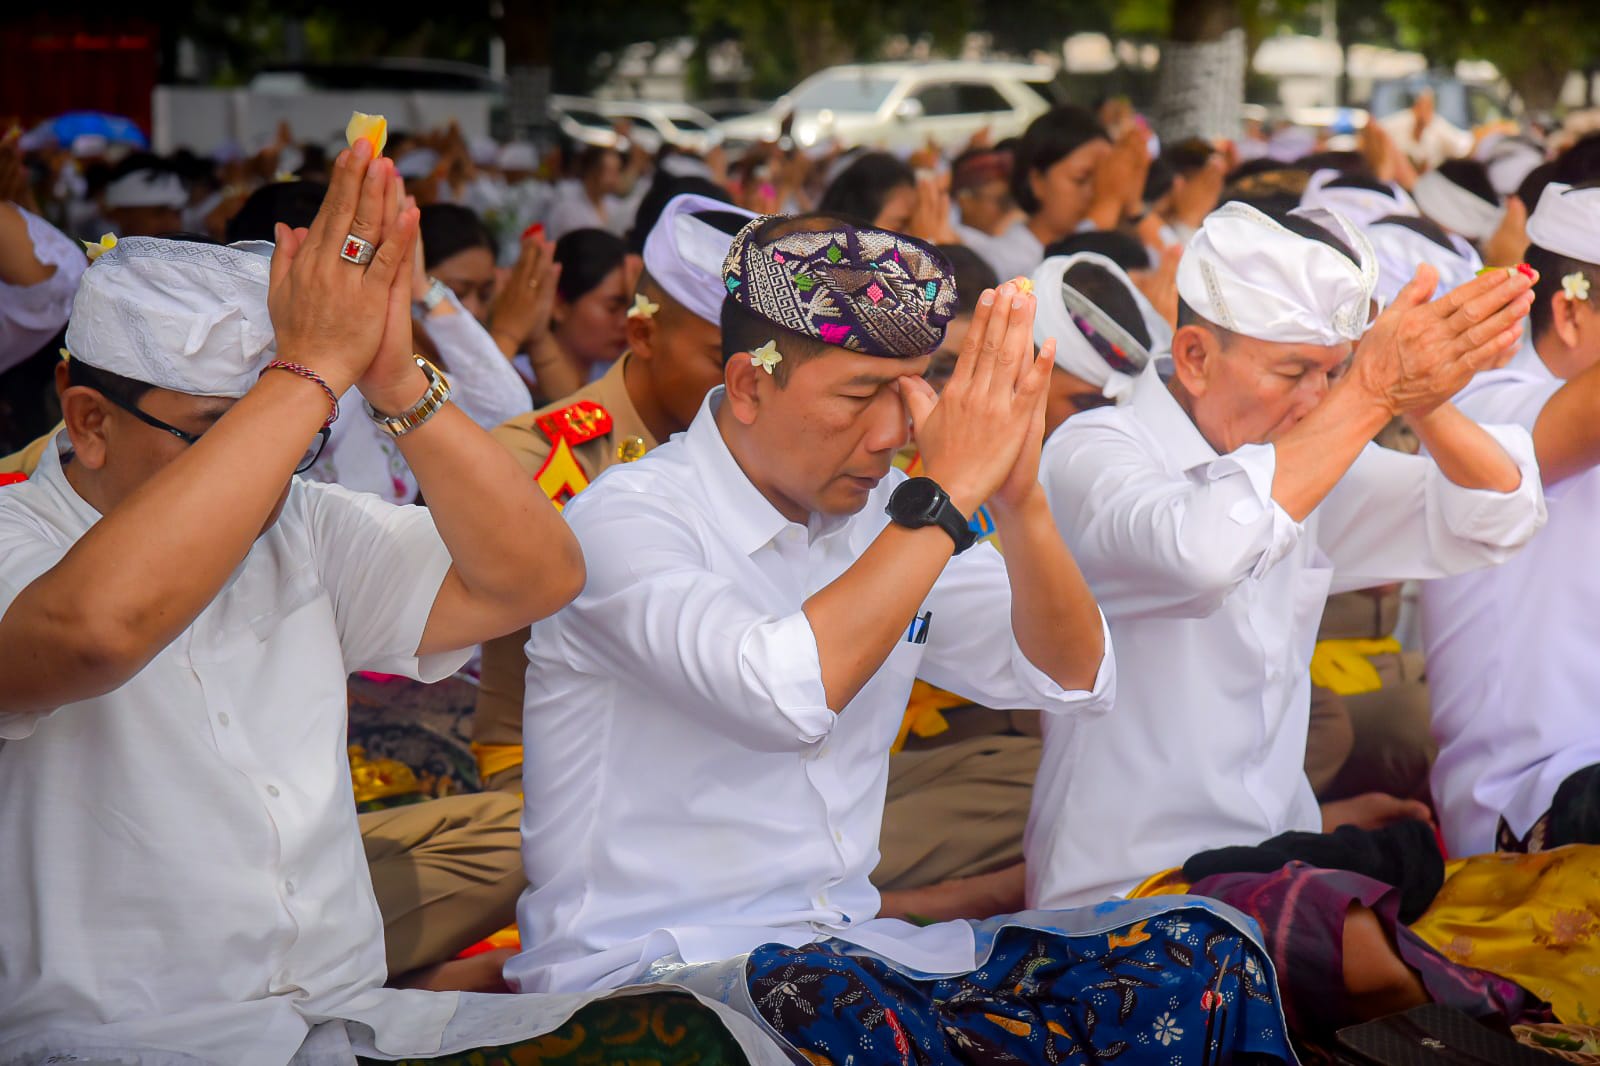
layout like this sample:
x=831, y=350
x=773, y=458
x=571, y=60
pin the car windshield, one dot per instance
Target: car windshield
x=843, y=92
x=686, y=122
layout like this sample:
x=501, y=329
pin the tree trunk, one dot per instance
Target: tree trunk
x=527, y=27
x=1200, y=89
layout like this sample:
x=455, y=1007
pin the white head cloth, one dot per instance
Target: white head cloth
x=145, y=188
x=182, y=316
x=1058, y=302
x=1401, y=249
x=1567, y=222
x=485, y=151
x=684, y=255
x=1361, y=206
x=1251, y=275
x=518, y=155
x=1457, y=209
x=1510, y=160
x=417, y=163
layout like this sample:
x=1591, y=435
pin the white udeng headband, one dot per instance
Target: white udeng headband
x=1455, y=208
x=1567, y=222
x=1251, y=275
x=1074, y=352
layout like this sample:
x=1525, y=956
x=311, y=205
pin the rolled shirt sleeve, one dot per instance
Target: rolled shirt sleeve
x=1156, y=543
x=1396, y=517
x=972, y=650
x=705, y=644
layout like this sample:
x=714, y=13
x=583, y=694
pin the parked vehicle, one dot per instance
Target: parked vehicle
x=902, y=105
x=1463, y=104
x=655, y=123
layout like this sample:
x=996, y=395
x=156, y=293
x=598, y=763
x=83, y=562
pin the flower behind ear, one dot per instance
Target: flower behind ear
x=643, y=307
x=1576, y=286
x=767, y=356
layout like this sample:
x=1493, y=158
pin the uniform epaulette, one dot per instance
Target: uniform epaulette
x=577, y=423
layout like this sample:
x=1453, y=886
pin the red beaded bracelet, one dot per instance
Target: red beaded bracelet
x=310, y=375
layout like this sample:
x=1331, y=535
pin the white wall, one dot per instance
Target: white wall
x=205, y=119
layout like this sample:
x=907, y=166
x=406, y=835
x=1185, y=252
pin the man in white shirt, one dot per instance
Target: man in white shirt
x=1512, y=659
x=708, y=725
x=1426, y=137
x=1214, y=514
x=184, y=880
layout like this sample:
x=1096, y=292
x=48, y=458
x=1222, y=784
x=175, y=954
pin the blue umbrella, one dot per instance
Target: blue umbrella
x=74, y=124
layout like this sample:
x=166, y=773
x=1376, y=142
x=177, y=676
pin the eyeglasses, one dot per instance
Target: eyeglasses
x=313, y=450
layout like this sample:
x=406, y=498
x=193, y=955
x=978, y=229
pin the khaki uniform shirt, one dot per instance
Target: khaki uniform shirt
x=564, y=447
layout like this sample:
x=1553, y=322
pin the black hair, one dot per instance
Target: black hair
x=590, y=158
x=294, y=203
x=1189, y=155
x=1123, y=249
x=1532, y=186
x=664, y=188
x=1363, y=181
x=1250, y=168
x=105, y=382
x=1579, y=163
x=1158, y=179
x=1425, y=227
x=862, y=188
x=1188, y=316
x=1472, y=176
x=1309, y=229
x=1048, y=140
x=744, y=331
x=1344, y=162
x=449, y=230
x=587, y=257
x=1106, y=291
x=972, y=273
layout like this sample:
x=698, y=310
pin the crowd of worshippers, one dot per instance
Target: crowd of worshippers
x=1072, y=598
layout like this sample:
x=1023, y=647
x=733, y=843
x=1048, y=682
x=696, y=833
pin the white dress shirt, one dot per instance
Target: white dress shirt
x=1014, y=252
x=1441, y=139
x=1513, y=661
x=183, y=868
x=689, y=795
x=31, y=314
x=362, y=457
x=1214, y=595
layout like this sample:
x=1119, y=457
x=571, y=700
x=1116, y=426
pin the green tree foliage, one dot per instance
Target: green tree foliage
x=1534, y=44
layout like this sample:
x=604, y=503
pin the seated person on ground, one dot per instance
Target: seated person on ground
x=708, y=725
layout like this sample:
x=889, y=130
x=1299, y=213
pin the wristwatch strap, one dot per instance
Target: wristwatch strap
x=432, y=401
x=438, y=292
x=952, y=521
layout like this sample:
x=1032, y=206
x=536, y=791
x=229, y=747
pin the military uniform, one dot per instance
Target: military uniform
x=564, y=447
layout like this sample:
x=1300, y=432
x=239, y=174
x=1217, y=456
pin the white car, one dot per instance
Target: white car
x=654, y=123
x=902, y=105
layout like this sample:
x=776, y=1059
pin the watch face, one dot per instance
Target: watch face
x=916, y=501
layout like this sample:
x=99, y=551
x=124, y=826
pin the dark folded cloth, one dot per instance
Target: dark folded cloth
x=1405, y=855
x=1575, y=811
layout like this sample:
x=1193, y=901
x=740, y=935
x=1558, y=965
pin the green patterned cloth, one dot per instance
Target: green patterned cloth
x=653, y=1030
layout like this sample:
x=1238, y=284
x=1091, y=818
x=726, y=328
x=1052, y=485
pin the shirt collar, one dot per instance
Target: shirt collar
x=52, y=481
x=1154, y=405
x=739, y=509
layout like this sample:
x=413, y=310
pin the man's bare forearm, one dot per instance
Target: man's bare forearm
x=1054, y=617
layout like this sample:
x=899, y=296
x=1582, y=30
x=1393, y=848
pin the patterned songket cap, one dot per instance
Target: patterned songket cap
x=867, y=290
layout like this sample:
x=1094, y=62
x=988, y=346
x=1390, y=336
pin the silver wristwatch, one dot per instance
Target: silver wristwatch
x=432, y=401
x=438, y=292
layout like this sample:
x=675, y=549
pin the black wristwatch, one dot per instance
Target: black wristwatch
x=920, y=502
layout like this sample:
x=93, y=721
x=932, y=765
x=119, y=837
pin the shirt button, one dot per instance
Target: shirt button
x=288, y=888
x=272, y=790
x=222, y=717
x=838, y=836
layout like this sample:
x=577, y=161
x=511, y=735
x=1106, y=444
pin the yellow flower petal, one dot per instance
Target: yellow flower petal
x=1024, y=286
x=375, y=128
x=95, y=249
x=643, y=307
